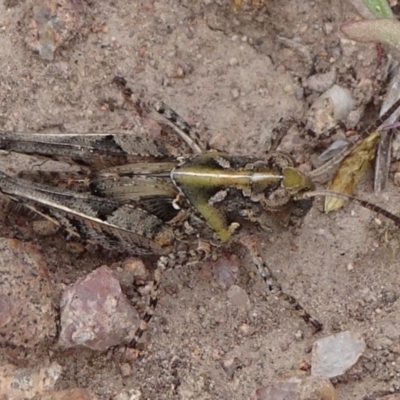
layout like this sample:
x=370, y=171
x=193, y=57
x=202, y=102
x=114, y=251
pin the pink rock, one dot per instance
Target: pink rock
x=95, y=313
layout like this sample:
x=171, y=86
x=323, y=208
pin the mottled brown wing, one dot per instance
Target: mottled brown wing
x=121, y=227
x=97, y=150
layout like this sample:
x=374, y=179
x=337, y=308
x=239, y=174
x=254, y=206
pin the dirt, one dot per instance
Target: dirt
x=234, y=76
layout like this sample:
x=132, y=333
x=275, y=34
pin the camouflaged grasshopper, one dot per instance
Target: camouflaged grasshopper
x=135, y=195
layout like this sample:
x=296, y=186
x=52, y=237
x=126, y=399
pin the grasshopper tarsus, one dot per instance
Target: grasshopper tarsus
x=294, y=303
x=317, y=326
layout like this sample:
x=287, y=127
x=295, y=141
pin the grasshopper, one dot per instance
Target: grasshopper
x=138, y=196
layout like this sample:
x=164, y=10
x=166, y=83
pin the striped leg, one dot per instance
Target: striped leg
x=252, y=244
x=181, y=127
x=162, y=264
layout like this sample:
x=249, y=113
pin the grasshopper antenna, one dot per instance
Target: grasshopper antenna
x=364, y=203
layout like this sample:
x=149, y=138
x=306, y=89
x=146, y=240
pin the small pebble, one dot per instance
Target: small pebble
x=332, y=107
x=233, y=62
x=350, y=267
x=235, y=93
x=299, y=94
x=289, y=89
x=389, y=296
x=396, y=178
x=322, y=82
x=245, y=329
x=238, y=297
x=334, y=355
x=230, y=366
x=299, y=335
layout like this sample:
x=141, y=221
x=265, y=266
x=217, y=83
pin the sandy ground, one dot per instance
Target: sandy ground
x=234, y=77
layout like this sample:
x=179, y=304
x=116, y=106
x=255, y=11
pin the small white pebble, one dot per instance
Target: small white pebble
x=328, y=28
x=378, y=221
x=233, y=61
x=244, y=329
x=235, y=93
x=303, y=29
x=298, y=335
x=396, y=178
x=288, y=89
x=350, y=267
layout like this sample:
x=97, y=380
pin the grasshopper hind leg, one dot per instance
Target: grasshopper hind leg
x=251, y=243
x=181, y=127
x=162, y=264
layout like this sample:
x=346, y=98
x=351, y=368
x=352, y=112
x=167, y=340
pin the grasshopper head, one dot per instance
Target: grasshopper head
x=296, y=181
x=283, y=202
